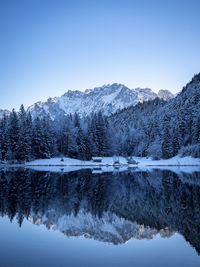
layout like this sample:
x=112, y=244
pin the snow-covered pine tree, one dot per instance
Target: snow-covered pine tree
x=24, y=142
x=38, y=140
x=29, y=137
x=49, y=142
x=175, y=143
x=196, y=130
x=167, y=151
x=92, y=136
x=4, y=138
x=13, y=137
x=103, y=149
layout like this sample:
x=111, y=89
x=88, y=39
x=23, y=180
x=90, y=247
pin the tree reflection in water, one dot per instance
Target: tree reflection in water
x=109, y=207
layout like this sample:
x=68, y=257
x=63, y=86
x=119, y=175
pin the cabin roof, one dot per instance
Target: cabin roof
x=97, y=158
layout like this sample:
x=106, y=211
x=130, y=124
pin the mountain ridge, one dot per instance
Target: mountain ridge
x=107, y=98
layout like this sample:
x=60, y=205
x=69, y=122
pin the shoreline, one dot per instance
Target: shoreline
x=137, y=162
x=93, y=165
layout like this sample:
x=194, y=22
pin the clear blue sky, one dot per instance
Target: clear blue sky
x=48, y=47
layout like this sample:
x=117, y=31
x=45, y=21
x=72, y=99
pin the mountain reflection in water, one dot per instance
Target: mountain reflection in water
x=108, y=207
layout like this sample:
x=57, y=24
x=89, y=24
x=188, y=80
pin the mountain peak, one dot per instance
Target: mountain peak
x=165, y=94
x=71, y=93
x=108, y=98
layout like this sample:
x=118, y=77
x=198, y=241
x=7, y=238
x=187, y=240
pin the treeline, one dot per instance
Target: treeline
x=24, y=139
x=161, y=129
x=155, y=129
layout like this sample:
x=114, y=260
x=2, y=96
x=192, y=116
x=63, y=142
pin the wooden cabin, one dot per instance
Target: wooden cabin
x=97, y=159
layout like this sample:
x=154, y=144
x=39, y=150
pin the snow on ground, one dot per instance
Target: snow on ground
x=106, y=161
x=55, y=162
x=176, y=164
x=110, y=161
x=175, y=161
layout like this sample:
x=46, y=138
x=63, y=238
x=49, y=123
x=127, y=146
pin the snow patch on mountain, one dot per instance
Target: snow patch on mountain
x=107, y=98
x=165, y=95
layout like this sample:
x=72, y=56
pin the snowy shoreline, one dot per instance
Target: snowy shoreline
x=176, y=164
x=110, y=161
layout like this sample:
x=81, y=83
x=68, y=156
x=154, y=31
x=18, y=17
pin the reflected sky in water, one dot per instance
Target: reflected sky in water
x=111, y=219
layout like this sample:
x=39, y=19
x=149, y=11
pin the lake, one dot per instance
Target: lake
x=94, y=218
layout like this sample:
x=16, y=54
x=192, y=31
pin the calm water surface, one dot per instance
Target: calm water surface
x=130, y=218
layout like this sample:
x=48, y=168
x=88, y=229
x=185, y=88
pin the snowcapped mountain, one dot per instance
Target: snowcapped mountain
x=165, y=95
x=107, y=98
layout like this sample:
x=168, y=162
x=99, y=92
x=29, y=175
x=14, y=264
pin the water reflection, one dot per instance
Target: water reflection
x=109, y=207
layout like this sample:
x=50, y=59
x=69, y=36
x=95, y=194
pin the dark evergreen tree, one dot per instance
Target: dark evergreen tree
x=24, y=142
x=92, y=136
x=4, y=138
x=175, y=144
x=196, y=130
x=181, y=129
x=167, y=150
x=13, y=137
x=38, y=140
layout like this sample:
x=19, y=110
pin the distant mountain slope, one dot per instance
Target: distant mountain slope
x=165, y=95
x=160, y=128
x=107, y=98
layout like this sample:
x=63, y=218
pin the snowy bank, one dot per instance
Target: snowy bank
x=176, y=164
x=110, y=161
x=106, y=161
x=175, y=161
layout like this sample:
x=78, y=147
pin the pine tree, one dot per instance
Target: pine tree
x=4, y=138
x=103, y=148
x=48, y=142
x=29, y=137
x=92, y=136
x=181, y=129
x=175, y=144
x=13, y=137
x=196, y=130
x=24, y=146
x=167, y=150
x=37, y=139
x=166, y=144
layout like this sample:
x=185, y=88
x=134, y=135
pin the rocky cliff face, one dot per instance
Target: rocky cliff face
x=165, y=95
